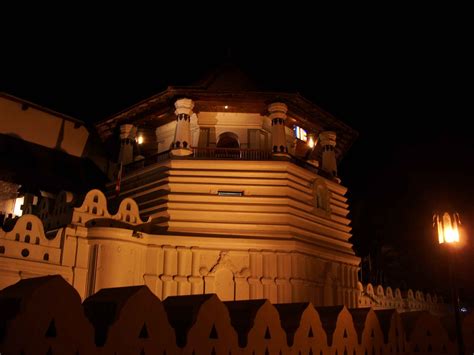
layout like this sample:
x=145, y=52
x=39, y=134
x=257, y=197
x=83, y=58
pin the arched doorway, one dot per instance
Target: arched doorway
x=228, y=140
x=228, y=146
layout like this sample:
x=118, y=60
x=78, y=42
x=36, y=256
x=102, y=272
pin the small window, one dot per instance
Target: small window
x=96, y=198
x=27, y=239
x=46, y=257
x=2, y=249
x=300, y=133
x=230, y=193
x=29, y=226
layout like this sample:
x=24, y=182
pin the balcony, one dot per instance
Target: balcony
x=222, y=154
x=231, y=154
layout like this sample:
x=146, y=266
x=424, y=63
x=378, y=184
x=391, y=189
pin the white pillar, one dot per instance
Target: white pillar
x=328, y=143
x=278, y=112
x=182, y=139
x=127, y=139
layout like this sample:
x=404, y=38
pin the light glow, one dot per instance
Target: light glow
x=448, y=231
x=140, y=140
x=311, y=142
x=226, y=107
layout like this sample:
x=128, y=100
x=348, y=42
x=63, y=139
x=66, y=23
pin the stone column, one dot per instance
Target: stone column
x=170, y=263
x=182, y=139
x=196, y=280
x=328, y=143
x=278, y=112
x=127, y=139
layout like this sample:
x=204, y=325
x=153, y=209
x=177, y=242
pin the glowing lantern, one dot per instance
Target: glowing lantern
x=447, y=224
x=311, y=141
x=140, y=140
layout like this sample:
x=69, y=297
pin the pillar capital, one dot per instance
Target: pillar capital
x=127, y=131
x=184, y=106
x=278, y=110
x=328, y=138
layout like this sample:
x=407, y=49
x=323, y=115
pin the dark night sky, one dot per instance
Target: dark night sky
x=404, y=88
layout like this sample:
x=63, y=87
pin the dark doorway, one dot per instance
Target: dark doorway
x=228, y=146
x=228, y=140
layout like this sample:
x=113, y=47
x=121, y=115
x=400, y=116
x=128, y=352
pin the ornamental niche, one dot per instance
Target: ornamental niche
x=321, y=197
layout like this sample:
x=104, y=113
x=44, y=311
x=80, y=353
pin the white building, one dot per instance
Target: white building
x=224, y=189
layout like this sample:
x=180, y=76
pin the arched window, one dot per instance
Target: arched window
x=228, y=140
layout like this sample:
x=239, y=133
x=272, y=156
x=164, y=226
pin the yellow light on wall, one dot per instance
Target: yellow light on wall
x=311, y=142
x=140, y=140
x=448, y=231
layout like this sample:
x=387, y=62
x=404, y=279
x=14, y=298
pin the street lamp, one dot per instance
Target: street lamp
x=448, y=235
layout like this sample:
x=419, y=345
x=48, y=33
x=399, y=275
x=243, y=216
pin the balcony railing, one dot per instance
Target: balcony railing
x=150, y=160
x=224, y=154
x=231, y=153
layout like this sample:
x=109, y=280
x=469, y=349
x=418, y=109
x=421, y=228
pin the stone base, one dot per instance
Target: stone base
x=181, y=152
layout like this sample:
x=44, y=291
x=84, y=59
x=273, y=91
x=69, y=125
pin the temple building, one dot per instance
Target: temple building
x=221, y=187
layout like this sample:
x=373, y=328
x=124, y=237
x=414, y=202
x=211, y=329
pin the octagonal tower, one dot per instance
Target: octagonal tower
x=238, y=200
